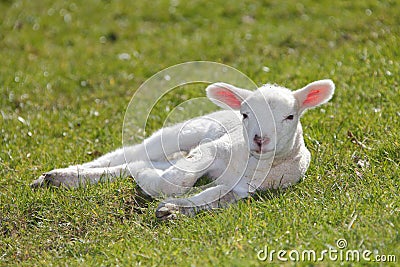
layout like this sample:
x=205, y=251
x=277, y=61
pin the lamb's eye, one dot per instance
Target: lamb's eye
x=290, y=117
x=245, y=116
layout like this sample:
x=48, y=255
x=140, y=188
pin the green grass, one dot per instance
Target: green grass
x=63, y=93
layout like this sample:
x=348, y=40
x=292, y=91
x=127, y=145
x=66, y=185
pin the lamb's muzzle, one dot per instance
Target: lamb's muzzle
x=261, y=142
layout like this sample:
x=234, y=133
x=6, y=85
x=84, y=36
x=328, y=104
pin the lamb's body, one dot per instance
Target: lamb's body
x=216, y=145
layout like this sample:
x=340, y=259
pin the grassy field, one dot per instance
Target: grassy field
x=64, y=89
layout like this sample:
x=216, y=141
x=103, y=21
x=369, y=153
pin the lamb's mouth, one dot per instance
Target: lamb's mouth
x=262, y=154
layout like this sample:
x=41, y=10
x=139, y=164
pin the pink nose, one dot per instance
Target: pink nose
x=261, y=140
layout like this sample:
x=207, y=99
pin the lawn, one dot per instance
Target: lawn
x=69, y=69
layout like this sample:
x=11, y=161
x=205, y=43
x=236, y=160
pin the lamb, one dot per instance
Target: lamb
x=254, y=143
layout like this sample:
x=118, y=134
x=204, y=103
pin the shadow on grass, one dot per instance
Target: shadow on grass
x=121, y=201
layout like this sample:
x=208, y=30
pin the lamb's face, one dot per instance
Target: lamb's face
x=270, y=119
x=271, y=114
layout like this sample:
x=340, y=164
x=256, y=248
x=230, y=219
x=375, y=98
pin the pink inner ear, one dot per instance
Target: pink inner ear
x=228, y=98
x=313, y=98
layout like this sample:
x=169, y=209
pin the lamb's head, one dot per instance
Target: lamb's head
x=271, y=114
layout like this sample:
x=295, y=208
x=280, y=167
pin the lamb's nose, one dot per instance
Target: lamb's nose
x=261, y=140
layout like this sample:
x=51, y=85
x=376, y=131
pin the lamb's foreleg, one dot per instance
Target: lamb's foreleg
x=181, y=176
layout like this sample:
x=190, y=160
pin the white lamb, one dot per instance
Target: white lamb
x=255, y=143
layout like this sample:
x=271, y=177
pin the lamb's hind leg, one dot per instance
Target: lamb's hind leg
x=113, y=164
x=163, y=143
x=73, y=177
x=153, y=148
x=156, y=148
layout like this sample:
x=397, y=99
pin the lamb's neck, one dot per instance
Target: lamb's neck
x=294, y=150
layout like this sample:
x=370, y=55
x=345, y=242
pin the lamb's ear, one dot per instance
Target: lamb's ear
x=226, y=95
x=314, y=94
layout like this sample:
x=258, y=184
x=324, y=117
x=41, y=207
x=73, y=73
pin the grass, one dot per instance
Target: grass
x=64, y=92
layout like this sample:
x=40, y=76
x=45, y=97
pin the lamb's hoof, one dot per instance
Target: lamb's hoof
x=38, y=182
x=46, y=179
x=172, y=208
x=167, y=211
x=57, y=178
